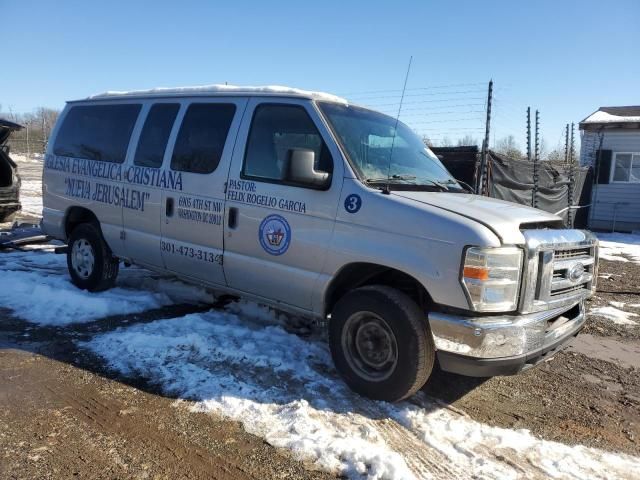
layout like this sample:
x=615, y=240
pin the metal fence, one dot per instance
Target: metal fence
x=27, y=142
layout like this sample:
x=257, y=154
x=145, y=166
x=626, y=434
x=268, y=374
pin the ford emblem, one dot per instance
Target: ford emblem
x=576, y=272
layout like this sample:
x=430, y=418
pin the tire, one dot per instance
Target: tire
x=365, y=325
x=91, y=264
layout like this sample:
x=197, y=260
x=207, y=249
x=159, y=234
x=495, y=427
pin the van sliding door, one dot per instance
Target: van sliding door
x=192, y=211
x=147, y=176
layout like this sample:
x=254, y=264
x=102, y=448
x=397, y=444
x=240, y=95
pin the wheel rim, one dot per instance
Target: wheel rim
x=82, y=258
x=370, y=346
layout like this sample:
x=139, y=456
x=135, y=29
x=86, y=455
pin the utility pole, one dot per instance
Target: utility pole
x=536, y=161
x=572, y=180
x=529, y=133
x=594, y=201
x=483, y=181
x=28, y=146
x=566, y=144
x=44, y=130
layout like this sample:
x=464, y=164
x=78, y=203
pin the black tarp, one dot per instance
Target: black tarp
x=460, y=161
x=512, y=180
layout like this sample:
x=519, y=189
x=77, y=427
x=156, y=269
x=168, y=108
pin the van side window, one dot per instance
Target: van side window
x=276, y=129
x=155, y=134
x=97, y=132
x=202, y=136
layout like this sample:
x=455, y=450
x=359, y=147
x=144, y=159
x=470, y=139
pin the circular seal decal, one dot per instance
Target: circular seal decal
x=352, y=203
x=274, y=234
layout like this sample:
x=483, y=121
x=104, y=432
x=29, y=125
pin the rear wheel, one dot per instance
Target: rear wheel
x=381, y=343
x=91, y=264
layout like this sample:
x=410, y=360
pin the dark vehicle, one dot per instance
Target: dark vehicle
x=9, y=179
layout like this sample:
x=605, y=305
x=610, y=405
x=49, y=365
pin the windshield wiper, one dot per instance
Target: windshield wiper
x=376, y=181
x=392, y=177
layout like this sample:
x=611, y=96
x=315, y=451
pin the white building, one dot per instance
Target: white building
x=611, y=145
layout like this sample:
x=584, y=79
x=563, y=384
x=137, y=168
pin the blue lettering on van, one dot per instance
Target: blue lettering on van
x=353, y=203
x=105, y=193
x=153, y=177
x=200, y=210
x=120, y=196
x=77, y=188
x=243, y=191
x=144, y=176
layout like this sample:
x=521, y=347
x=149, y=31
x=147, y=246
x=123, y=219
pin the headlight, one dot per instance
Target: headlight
x=491, y=277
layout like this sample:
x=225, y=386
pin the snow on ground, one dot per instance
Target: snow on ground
x=620, y=246
x=37, y=287
x=622, y=305
x=31, y=197
x=30, y=170
x=612, y=313
x=21, y=158
x=285, y=390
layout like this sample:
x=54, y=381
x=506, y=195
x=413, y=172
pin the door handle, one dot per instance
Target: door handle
x=169, y=207
x=232, y=219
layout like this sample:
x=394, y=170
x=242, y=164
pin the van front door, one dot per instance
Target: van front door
x=193, y=199
x=277, y=232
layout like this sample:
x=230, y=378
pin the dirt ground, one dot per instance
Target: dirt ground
x=574, y=398
x=64, y=414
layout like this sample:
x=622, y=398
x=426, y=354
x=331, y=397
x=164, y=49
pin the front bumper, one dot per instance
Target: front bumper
x=502, y=345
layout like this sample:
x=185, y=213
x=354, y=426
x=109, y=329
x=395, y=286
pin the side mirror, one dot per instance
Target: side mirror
x=301, y=168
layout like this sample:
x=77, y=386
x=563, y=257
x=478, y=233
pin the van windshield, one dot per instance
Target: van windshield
x=367, y=137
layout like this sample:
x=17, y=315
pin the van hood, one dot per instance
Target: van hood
x=505, y=219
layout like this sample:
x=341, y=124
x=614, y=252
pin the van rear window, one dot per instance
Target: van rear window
x=97, y=132
x=202, y=136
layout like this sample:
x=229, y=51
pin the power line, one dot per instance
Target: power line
x=395, y=104
x=462, y=129
x=432, y=94
x=452, y=85
x=456, y=120
x=433, y=114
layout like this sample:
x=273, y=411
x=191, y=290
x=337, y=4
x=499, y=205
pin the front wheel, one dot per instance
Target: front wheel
x=380, y=343
x=91, y=264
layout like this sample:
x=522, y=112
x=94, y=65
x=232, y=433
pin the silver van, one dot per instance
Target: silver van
x=323, y=209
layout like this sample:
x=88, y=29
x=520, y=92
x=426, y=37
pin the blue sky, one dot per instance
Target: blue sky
x=565, y=58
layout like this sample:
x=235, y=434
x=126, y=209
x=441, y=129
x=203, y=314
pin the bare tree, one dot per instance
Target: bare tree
x=509, y=147
x=427, y=141
x=38, y=125
x=467, y=140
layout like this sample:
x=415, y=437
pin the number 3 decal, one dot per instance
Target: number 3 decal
x=352, y=203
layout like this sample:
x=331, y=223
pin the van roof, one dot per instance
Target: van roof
x=219, y=90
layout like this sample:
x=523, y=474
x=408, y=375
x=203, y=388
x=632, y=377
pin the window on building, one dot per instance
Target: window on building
x=97, y=132
x=626, y=167
x=275, y=130
x=155, y=134
x=202, y=136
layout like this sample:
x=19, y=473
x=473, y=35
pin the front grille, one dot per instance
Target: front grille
x=566, y=290
x=565, y=261
x=561, y=268
x=572, y=253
